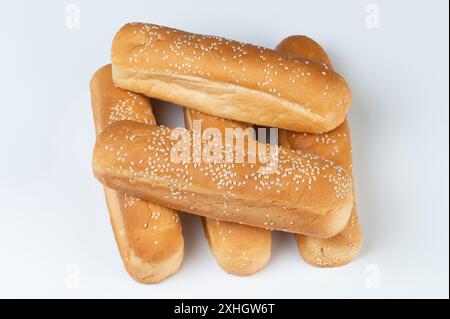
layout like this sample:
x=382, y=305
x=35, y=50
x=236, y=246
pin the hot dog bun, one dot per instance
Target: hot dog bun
x=307, y=194
x=336, y=146
x=148, y=236
x=239, y=249
x=229, y=79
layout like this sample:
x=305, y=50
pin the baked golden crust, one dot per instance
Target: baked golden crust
x=111, y=104
x=307, y=194
x=336, y=251
x=229, y=79
x=239, y=249
x=336, y=146
x=149, y=236
x=305, y=47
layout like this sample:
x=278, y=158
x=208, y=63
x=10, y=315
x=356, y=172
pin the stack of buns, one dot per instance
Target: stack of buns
x=226, y=86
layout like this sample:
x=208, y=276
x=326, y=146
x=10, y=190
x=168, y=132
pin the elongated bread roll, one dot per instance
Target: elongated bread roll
x=306, y=194
x=148, y=236
x=336, y=146
x=229, y=79
x=238, y=249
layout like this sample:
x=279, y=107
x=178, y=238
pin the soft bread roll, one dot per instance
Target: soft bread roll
x=229, y=79
x=238, y=249
x=336, y=146
x=148, y=236
x=307, y=194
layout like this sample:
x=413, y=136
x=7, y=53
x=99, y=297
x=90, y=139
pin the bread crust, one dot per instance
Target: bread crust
x=307, y=195
x=239, y=249
x=336, y=146
x=305, y=47
x=229, y=79
x=149, y=236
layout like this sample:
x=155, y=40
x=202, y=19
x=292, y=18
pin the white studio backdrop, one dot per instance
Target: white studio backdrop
x=55, y=236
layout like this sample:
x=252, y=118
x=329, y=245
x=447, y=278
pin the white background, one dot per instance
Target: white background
x=52, y=210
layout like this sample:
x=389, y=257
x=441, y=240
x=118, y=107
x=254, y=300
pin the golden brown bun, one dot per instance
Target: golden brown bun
x=336, y=146
x=239, y=249
x=148, y=236
x=308, y=194
x=229, y=79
